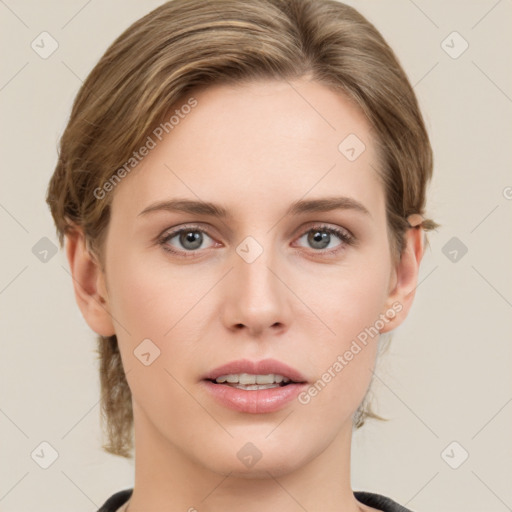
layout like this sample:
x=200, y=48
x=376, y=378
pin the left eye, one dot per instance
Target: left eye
x=321, y=237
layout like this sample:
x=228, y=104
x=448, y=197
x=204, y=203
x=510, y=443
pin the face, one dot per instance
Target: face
x=284, y=275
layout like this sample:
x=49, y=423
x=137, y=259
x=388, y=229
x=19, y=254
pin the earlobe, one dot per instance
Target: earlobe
x=89, y=284
x=406, y=272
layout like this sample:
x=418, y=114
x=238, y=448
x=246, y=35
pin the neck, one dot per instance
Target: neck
x=166, y=478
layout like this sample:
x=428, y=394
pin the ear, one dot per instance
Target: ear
x=404, y=276
x=89, y=284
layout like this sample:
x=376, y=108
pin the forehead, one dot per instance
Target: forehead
x=271, y=141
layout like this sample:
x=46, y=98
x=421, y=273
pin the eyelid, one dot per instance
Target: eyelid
x=322, y=225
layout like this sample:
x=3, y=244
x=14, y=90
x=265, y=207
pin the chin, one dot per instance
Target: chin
x=251, y=462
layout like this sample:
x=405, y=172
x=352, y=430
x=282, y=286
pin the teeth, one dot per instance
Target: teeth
x=254, y=387
x=247, y=379
x=264, y=379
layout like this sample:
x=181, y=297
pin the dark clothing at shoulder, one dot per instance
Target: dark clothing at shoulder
x=379, y=502
x=116, y=500
x=367, y=498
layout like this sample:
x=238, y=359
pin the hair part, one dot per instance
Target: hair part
x=185, y=45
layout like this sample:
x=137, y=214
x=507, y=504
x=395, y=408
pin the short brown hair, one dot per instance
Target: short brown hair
x=185, y=44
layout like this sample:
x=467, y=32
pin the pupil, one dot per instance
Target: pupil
x=321, y=239
x=192, y=239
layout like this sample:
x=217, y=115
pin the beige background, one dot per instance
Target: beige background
x=447, y=377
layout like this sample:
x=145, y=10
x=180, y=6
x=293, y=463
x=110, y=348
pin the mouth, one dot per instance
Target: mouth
x=246, y=373
x=252, y=382
x=254, y=386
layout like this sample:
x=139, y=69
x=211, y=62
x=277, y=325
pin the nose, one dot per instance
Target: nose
x=256, y=296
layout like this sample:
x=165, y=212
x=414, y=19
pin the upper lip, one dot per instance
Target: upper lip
x=263, y=367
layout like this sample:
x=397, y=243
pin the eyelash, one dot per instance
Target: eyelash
x=343, y=235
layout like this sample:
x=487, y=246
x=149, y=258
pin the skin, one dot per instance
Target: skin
x=253, y=149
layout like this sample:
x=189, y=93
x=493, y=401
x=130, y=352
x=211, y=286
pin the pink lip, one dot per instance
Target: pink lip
x=255, y=401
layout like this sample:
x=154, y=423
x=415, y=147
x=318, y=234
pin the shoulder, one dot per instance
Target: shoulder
x=379, y=502
x=116, y=500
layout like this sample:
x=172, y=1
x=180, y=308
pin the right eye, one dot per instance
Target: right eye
x=187, y=239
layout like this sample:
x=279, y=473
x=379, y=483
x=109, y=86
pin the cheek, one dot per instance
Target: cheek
x=351, y=306
x=154, y=309
x=167, y=305
x=348, y=299
x=149, y=297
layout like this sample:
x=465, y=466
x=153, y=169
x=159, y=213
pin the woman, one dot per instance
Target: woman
x=241, y=187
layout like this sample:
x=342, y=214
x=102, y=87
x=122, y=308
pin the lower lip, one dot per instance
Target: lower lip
x=256, y=401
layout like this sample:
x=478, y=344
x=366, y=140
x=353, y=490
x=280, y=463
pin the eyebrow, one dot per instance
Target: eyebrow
x=301, y=206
